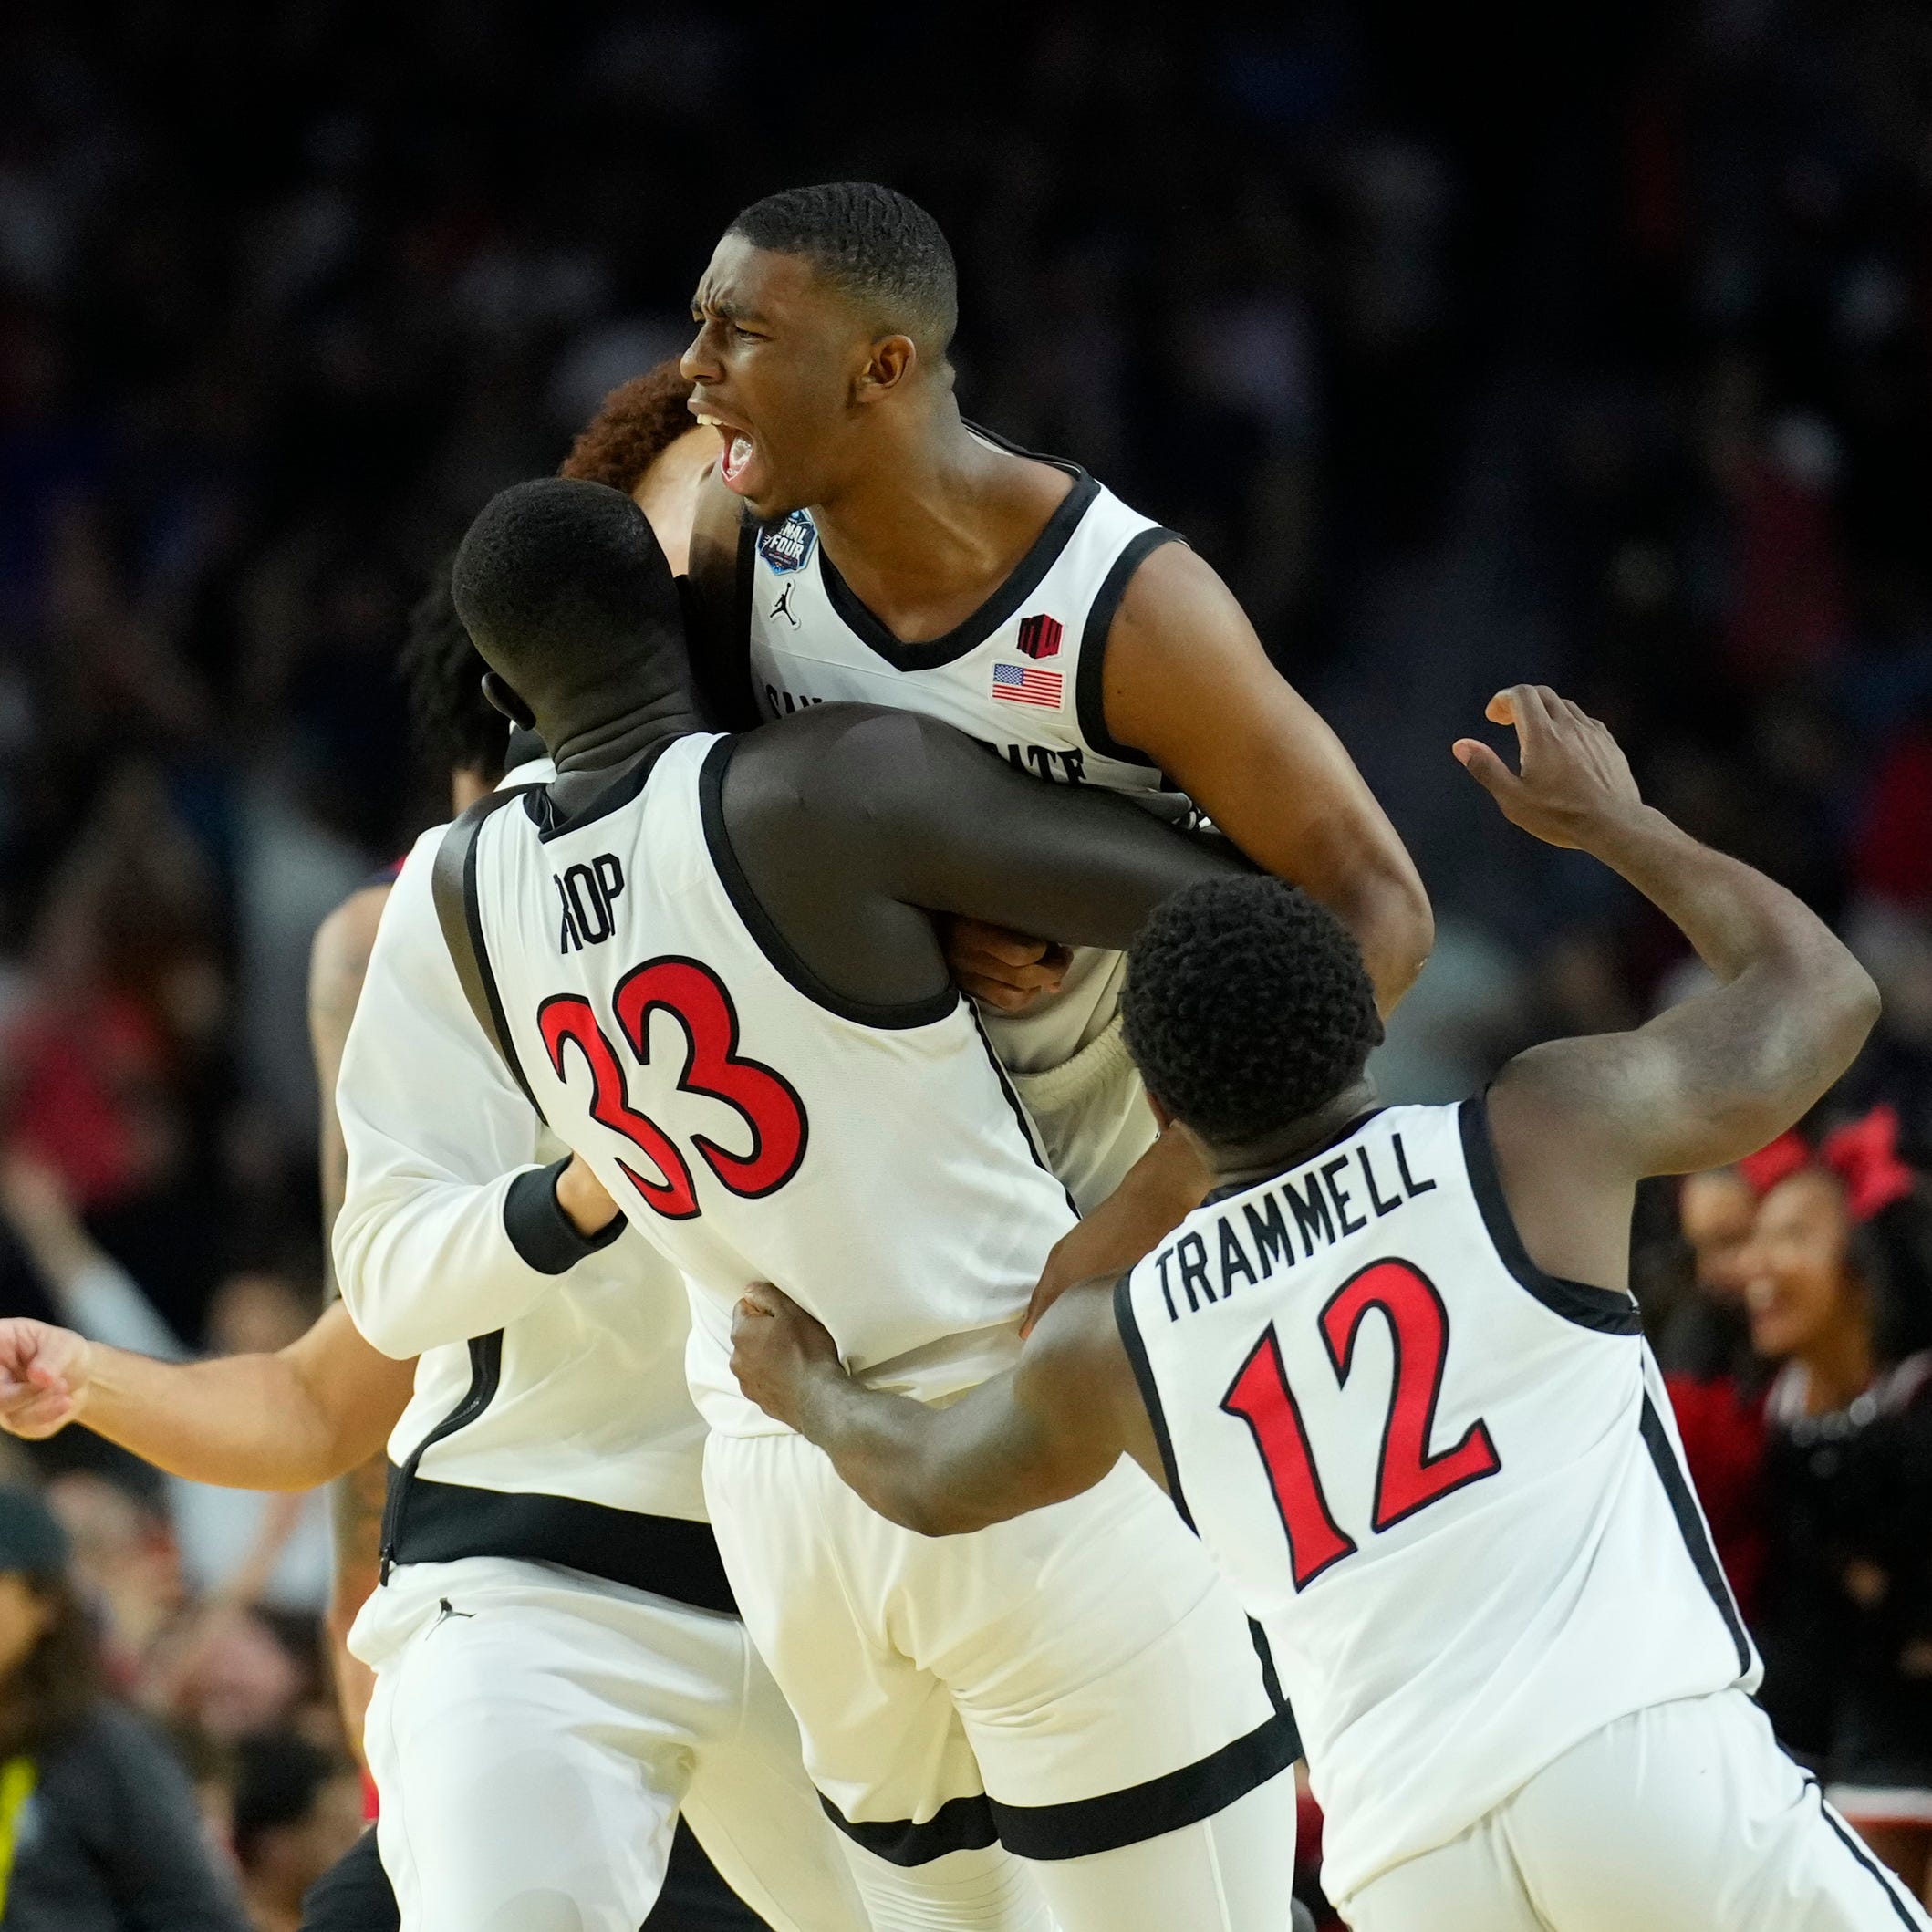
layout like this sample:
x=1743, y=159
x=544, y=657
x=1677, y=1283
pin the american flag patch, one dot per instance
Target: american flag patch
x=1026, y=684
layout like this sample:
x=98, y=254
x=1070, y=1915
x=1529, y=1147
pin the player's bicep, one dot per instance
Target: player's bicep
x=963, y=832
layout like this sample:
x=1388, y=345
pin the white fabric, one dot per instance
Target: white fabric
x=1091, y=1115
x=1472, y=1638
x=1070, y=1652
x=802, y=651
x=534, y=1742
x=917, y=1218
x=1683, y=1817
x=592, y=1402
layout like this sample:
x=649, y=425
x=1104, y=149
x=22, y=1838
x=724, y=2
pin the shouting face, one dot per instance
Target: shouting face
x=783, y=367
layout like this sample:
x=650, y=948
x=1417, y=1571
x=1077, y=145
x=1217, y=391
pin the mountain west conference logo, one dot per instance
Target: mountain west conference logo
x=1040, y=636
x=786, y=546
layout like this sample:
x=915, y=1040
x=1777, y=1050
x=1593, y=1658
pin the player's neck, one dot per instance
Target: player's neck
x=1246, y=1164
x=591, y=752
x=932, y=516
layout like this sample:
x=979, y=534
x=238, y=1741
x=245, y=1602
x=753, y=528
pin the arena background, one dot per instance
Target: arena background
x=1588, y=344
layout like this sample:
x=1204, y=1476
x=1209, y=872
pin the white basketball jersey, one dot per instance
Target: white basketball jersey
x=752, y=1125
x=1022, y=674
x=1446, y=1485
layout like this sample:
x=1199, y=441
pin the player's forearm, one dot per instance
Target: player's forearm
x=1736, y=919
x=242, y=1422
x=1384, y=906
x=884, y=1447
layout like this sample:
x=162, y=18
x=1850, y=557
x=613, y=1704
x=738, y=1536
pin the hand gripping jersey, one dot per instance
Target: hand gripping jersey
x=1446, y=1485
x=1022, y=674
x=753, y=1130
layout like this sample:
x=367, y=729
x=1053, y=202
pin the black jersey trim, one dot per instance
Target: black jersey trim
x=486, y=1373
x=1884, y=1880
x=1265, y=1657
x=1089, y=685
x=544, y=1236
x=1691, y=1526
x=1347, y=1131
x=1080, y=1827
x=1605, y=1309
x=1022, y=1118
x=763, y=930
x=971, y=632
x=459, y=913
x=552, y=823
x=1131, y=1340
x=667, y=1555
x=961, y=1825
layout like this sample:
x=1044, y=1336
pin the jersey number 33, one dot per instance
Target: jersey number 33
x=762, y=1097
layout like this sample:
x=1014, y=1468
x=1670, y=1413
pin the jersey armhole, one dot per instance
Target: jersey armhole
x=1128, y=1323
x=1089, y=687
x=1602, y=1309
x=778, y=951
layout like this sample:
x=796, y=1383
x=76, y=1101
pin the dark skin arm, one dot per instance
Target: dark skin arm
x=1049, y=1428
x=1577, y=1123
x=853, y=823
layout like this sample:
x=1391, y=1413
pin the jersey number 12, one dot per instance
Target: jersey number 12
x=758, y=1094
x=1408, y=1478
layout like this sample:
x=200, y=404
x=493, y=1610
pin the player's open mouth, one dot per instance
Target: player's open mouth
x=739, y=450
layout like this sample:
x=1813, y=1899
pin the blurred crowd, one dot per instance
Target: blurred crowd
x=1601, y=354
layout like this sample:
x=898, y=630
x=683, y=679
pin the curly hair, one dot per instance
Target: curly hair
x=636, y=423
x=1246, y=1007
x=455, y=726
x=877, y=247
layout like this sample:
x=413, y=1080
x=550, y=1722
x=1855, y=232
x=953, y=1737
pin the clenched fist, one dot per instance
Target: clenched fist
x=44, y=1373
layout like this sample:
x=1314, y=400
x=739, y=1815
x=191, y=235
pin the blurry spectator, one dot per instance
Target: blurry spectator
x=1845, y=1613
x=296, y=1810
x=99, y=1830
x=251, y=1548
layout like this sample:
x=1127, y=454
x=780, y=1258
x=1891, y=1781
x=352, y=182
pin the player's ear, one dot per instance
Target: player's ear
x=508, y=702
x=888, y=362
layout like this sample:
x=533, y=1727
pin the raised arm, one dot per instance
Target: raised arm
x=1576, y=1123
x=1187, y=684
x=1051, y=1427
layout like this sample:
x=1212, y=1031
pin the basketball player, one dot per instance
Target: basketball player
x=697, y=1719
x=863, y=542
x=1391, y=1373
x=707, y=958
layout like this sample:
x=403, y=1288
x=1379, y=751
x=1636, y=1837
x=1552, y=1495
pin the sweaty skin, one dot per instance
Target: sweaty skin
x=1575, y=1125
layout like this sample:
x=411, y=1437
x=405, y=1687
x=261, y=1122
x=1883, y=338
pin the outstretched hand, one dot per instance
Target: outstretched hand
x=1572, y=778
x=777, y=1349
x=43, y=1373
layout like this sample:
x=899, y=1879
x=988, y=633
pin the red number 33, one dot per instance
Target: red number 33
x=760, y=1095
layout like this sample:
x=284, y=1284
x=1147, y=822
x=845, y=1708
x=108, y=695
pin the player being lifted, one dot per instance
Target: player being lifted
x=863, y=542
x=1392, y=1374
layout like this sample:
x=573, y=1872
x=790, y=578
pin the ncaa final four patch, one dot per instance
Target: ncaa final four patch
x=1026, y=684
x=786, y=546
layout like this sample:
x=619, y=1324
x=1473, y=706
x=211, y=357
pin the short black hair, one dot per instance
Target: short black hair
x=1247, y=1007
x=876, y=246
x=455, y=725
x=556, y=573
x=278, y=1776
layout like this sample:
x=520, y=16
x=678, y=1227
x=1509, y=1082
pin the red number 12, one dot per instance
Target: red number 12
x=1408, y=1478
